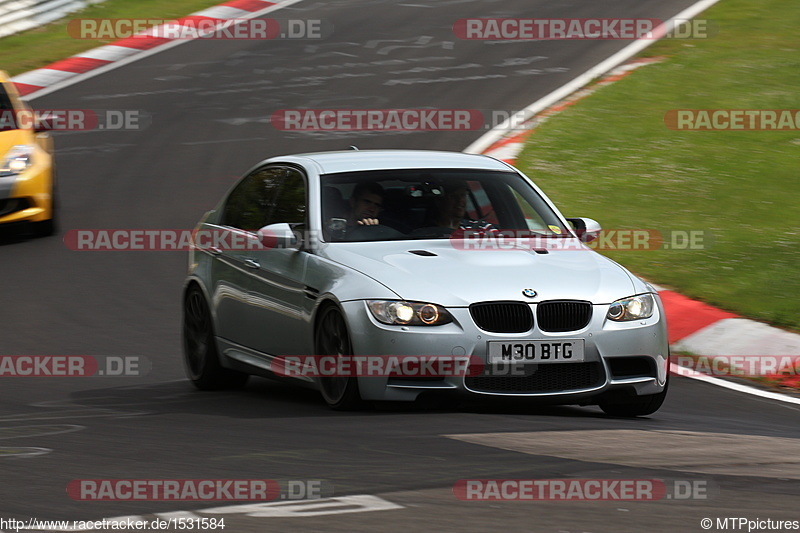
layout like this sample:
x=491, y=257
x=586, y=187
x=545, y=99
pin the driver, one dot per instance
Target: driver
x=452, y=206
x=366, y=204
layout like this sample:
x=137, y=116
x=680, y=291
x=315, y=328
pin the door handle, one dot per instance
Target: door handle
x=252, y=263
x=213, y=250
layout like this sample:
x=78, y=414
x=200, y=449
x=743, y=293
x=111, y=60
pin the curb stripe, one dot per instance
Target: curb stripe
x=24, y=89
x=142, y=43
x=108, y=53
x=249, y=5
x=43, y=76
x=102, y=56
x=686, y=316
x=78, y=65
x=222, y=12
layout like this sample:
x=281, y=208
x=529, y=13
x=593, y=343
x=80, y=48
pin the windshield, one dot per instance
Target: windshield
x=431, y=204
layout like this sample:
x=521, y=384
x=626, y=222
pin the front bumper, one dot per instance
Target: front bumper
x=619, y=356
x=27, y=197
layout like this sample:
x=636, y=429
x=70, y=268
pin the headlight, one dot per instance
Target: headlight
x=632, y=308
x=17, y=160
x=409, y=313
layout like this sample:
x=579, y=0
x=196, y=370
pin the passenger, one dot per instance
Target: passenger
x=366, y=204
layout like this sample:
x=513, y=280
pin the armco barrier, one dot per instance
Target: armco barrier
x=21, y=15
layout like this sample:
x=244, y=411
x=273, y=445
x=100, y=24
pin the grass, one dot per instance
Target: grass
x=610, y=157
x=41, y=46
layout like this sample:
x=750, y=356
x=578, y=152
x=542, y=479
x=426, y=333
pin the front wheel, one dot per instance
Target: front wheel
x=331, y=338
x=637, y=405
x=200, y=355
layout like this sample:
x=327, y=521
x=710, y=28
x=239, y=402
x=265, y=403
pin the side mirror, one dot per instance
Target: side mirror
x=586, y=229
x=278, y=236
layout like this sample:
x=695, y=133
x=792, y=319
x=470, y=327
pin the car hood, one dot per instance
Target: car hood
x=457, y=278
x=9, y=138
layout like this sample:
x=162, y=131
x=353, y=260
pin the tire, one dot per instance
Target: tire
x=48, y=227
x=200, y=356
x=331, y=338
x=637, y=405
x=45, y=228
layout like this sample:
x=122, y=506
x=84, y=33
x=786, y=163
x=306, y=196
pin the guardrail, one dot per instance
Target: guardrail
x=21, y=15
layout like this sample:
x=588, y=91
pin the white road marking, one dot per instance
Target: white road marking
x=327, y=506
x=23, y=452
x=177, y=514
x=16, y=432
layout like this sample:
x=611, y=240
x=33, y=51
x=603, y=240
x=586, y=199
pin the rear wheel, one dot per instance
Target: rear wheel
x=331, y=338
x=200, y=355
x=637, y=405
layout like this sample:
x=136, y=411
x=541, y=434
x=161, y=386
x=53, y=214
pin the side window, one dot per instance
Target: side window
x=267, y=196
x=290, y=202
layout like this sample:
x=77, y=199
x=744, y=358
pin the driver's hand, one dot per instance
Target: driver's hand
x=368, y=222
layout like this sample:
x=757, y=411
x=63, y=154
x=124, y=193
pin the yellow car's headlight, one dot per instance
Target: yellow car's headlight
x=17, y=160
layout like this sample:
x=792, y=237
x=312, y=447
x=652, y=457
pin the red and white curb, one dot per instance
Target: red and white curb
x=97, y=60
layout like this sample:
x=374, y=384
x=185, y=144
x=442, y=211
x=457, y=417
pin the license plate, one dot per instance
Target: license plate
x=549, y=351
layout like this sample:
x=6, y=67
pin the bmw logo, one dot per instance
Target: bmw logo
x=529, y=293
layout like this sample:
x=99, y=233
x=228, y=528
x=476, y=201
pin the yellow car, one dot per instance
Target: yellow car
x=27, y=175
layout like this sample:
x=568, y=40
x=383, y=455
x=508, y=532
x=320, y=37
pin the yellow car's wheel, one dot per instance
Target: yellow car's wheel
x=48, y=227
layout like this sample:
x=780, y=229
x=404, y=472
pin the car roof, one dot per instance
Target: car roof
x=359, y=160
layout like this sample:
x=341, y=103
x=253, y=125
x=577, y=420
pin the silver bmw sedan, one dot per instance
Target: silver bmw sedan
x=382, y=275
